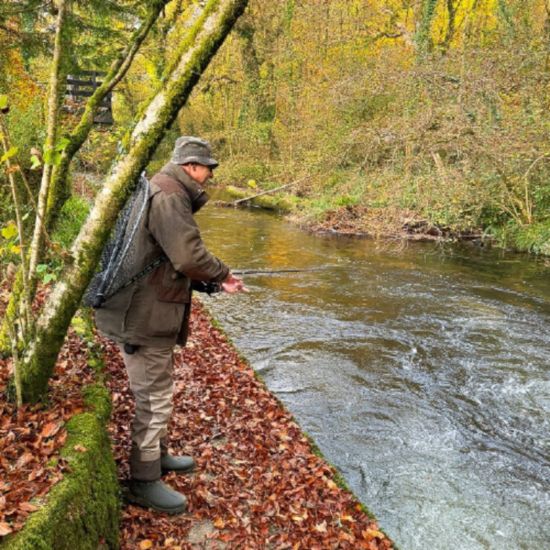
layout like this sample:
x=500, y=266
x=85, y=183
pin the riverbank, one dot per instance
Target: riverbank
x=390, y=222
x=259, y=484
x=355, y=220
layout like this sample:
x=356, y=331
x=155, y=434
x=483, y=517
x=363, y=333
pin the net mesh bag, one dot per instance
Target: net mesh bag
x=120, y=263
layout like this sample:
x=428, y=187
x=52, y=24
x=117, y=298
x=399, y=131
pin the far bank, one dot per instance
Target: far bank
x=337, y=214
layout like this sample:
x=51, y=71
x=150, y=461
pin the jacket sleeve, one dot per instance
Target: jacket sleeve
x=172, y=225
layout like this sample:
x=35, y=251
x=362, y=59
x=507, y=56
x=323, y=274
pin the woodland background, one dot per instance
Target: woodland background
x=433, y=109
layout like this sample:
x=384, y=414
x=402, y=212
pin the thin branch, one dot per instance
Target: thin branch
x=28, y=9
x=25, y=302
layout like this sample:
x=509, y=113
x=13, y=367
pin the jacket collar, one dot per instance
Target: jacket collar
x=196, y=193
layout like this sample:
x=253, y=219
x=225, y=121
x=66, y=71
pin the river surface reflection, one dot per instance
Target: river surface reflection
x=422, y=373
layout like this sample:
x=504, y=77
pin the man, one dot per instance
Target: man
x=150, y=316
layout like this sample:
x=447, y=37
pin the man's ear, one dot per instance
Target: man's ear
x=186, y=168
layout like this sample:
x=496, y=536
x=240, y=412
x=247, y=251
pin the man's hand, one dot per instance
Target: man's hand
x=233, y=284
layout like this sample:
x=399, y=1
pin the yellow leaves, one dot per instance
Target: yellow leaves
x=9, y=231
x=219, y=523
x=264, y=70
x=172, y=543
x=80, y=448
x=11, y=152
x=299, y=516
x=145, y=544
x=370, y=534
x=330, y=483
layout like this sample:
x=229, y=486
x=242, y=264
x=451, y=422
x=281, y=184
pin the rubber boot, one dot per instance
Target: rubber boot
x=169, y=463
x=180, y=464
x=156, y=495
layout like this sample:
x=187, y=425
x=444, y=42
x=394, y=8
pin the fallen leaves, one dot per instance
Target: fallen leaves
x=32, y=436
x=258, y=484
x=50, y=429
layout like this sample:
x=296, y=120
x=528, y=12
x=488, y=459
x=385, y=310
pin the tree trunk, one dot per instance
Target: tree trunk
x=55, y=89
x=202, y=42
x=424, y=29
x=25, y=280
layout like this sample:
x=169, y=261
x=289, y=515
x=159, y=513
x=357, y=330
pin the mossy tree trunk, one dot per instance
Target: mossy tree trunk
x=56, y=88
x=203, y=40
x=424, y=30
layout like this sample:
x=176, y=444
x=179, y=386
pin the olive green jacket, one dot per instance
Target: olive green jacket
x=154, y=311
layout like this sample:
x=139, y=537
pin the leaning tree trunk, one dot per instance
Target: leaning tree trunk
x=202, y=42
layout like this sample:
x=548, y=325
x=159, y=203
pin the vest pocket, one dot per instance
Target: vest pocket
x=169, y=285
x=165, y=318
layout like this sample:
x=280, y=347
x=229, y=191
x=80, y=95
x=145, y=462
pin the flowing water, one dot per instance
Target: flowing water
x=422, y=373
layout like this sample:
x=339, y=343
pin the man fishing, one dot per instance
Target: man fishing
x=149, y=313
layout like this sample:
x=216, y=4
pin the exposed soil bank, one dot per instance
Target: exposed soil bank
x=385, y=223
x=358, y=221
x=259, y=484
x=390, y=222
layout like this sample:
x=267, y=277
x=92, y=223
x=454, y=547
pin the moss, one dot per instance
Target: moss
x=10, y=314
x=82, y=510
x=73, y=213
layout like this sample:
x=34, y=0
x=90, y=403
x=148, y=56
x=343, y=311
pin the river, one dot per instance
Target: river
x=421, y=371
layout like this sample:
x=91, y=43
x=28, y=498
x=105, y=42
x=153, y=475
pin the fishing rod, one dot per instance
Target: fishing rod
x=273, y=271
x=213, y=288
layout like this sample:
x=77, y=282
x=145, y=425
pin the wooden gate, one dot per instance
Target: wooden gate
x=85, y=84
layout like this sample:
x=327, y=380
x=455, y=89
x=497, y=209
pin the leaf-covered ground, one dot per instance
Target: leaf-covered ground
x=31, y=437
x=258, y=483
